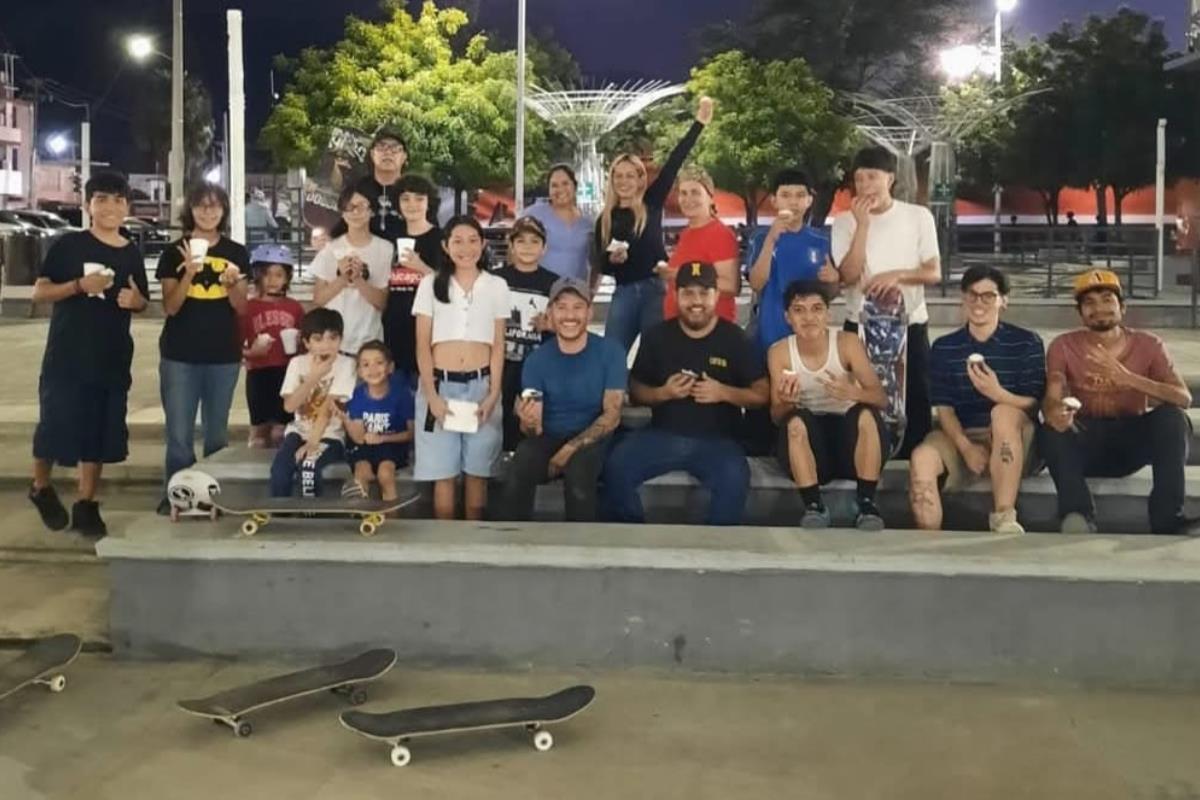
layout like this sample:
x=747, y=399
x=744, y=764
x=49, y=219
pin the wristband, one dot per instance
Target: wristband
x=78, y=286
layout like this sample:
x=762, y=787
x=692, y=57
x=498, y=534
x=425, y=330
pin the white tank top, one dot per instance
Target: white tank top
x=814, y=396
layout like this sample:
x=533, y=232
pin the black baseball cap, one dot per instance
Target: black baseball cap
x=386, y=134
x=696, y=273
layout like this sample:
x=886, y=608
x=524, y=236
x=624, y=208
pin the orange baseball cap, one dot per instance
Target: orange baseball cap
x=1097, y=279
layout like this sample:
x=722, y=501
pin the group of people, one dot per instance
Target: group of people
x=416, y=349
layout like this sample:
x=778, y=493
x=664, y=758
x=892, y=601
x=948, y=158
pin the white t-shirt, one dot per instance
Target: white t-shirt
x=338, y=384
x=903, y=237
x=360, y=320
x=469, y=316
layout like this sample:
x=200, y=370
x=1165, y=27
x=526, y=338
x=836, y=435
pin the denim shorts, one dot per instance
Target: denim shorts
x=441, y=454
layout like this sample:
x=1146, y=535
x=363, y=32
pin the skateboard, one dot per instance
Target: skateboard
x=883, y=326
x=229, y=707
x=40, y=664
x=193, y=493
x=532, y=713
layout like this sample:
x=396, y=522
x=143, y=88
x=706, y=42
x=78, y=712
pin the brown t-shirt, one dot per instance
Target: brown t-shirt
x=1144, y=355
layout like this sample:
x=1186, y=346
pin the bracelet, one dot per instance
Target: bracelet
x=78, y=286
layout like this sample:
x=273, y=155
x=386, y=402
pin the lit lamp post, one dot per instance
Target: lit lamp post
x=519, y=177
x=140, y=48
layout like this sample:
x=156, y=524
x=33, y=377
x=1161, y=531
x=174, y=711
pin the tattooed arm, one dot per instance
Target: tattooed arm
x=605, y=424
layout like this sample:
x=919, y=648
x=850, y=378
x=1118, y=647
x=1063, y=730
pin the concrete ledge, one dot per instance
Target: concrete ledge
x=956, y=606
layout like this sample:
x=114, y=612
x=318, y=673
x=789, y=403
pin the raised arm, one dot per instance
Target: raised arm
x=656, y=193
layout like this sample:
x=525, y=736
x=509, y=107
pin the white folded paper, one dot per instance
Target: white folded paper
x=462, y=416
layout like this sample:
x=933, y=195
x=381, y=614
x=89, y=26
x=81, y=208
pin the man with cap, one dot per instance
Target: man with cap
x=573, y=387
x=387, y=156
x=697, y=373
x=1114, y=403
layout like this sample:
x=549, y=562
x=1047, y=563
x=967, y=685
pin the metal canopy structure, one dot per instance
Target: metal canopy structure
x=584, y=115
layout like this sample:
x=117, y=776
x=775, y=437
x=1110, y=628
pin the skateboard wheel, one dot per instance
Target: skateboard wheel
x=358, y=697
x=543, y=741
x=214, y=513
x=244, y=729
x=174, y=514
x=400, y=755
x=377, y=519
x=57, y=683
x=368, y=528
x=249, y=527
x=261, y=519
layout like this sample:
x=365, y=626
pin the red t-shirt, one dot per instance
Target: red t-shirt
x=710, y=243
x=269, y=316
x=1144, y=355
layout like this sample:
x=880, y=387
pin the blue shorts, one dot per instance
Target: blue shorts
x=376, y=454
x=81, y=422
x=441, y=454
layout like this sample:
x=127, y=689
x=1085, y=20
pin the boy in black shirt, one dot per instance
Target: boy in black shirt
x=387, y=156
x=418, y=253
x=529, y=286
x=697, y=372
x=95, y=279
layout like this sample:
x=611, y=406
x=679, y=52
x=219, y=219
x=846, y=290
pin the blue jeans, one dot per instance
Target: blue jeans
x=719, y=464
x=635, y=307
x=285, y=469
x=185, y=387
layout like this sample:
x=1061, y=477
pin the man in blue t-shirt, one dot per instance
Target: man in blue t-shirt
x=987, y=381
x=572, y=390
x=788, y=251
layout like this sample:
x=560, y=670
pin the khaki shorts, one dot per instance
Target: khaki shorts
x=956, y=473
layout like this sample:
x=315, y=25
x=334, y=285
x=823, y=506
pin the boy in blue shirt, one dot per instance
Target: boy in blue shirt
x=379, y=421
x=786, y=252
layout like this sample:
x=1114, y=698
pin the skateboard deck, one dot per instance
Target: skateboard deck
x=229, y=707
x=40, y=664
x=883, y=326
x=193, y=492
x=532, y=713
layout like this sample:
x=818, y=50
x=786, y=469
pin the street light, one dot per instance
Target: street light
x=140, y=47
x=213, y=175
x=961, y=61
x=1006, y=6
x=57, y=143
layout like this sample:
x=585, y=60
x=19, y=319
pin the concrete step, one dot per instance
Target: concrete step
x=676, y=498
x=962, y=607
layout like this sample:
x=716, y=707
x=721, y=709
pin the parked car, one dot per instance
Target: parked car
x=17, y=224
x=147, y=234
x=44, y=219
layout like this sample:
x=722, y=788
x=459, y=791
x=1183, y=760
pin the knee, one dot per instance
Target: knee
x=1007, y=418
x=1167, y=420
x=387, y=471
x=925, y=463
x=797, y=430
x=868, y=425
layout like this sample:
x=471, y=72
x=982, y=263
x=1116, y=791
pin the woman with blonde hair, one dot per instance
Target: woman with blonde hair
x=706, y=240
x=629, y=241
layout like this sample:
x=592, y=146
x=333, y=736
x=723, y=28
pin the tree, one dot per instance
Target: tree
x=454, y=105
x=768, y=116
x=151, y=123
x=881, y=46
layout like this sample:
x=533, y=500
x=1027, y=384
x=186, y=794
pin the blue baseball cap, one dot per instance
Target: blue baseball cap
x=273, y=254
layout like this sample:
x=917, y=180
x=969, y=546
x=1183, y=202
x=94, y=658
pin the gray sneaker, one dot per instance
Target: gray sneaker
x=869, y=518
x=816, y=517
x=1077, y=523
x=1005, y=522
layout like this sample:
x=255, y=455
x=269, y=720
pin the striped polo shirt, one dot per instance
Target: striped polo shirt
x=1015, y=354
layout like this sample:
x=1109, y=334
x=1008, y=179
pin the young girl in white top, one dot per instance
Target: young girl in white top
x=352, y=274
x=461, y=310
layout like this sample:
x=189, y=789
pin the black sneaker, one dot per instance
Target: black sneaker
x=54, y=515
x=85, y=518
x=868, y=518
x=815, y=518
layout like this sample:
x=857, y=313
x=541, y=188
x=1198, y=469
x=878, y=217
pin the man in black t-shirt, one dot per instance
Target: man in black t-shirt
x=94, y=279
x=388, y=155
x=697, y=372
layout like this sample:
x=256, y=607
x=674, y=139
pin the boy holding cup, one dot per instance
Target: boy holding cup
x=418, y=253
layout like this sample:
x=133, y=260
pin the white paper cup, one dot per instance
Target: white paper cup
x=291, y=340
x=262, y=339
x=975, y=358
x=617, y=244
x=198, y=248
x=1072, y=403
x=404, y=246
x=786, y=214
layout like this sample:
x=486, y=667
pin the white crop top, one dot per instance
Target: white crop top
x=469, y=316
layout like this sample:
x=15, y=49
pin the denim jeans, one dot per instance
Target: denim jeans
x=286, y=471
x=184, y=387
x=718, y=463
x=530, y=468
x=635, y=307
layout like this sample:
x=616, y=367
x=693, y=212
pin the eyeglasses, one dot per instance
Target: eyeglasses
x=987, y=298
x=356, y=208
x=384, y=147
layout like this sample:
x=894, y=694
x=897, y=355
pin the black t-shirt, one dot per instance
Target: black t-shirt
x=89, y=341
x=386, y=221
x=399, y=325
x=529, y=294
x=726, y=354
x=205, y=329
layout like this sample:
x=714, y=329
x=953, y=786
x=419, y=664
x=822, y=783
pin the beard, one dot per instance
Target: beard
x=1102, y=325
x=696, y=321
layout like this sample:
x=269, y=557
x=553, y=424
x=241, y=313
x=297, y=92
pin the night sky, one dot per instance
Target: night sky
x=618, y=40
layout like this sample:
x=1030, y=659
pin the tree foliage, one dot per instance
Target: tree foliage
x=151, y=123
x=454, y=103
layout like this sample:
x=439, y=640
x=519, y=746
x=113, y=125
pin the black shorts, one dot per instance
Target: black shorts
x=833, y=439
x=81, y=422
x=376, y=454
x=263, y=398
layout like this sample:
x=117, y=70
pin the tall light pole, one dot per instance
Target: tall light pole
x=519, y=181
x=1002, y=7
x=175, y=165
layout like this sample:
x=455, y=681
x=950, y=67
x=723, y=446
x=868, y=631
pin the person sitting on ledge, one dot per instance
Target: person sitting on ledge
x=987, y=379
x=697, y=372
x=573, y=387
x=826, y=400
x=1114, y=403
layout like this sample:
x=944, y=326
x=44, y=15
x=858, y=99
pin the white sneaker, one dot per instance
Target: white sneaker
x=1005, y=522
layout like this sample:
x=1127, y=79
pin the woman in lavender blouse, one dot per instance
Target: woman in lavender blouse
x=568, y=230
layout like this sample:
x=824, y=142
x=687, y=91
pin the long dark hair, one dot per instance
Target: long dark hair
x=445, y=268
x=197, y=195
